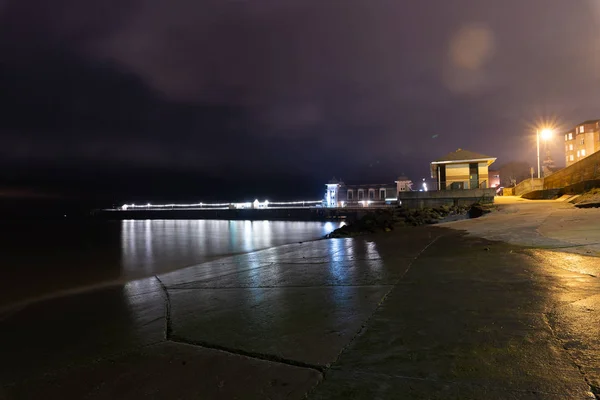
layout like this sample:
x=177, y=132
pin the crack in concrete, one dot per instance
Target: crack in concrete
x=169, y=336
x=594, y=390
x=249, y=354
x=168, y=328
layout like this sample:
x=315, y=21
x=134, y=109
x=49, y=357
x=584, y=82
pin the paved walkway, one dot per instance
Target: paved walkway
x=545, y=224
x=432, y=313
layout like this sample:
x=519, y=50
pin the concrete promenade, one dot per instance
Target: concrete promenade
x=502, y=307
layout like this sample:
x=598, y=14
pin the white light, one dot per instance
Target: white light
x=256, y=203
x=546, y=134
x=424, y=186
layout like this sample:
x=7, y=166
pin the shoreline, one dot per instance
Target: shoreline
x=8, y=308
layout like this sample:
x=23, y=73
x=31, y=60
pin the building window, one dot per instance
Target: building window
x=582, y=141
x=381, y=194
x=578, y=153
x=571, y=147
x=581, y=129
x=582, y=153
x=350, y=195
x=572, y=158
x=371, y=194
x=571, y=136
x=566, y=137
x=361, y=194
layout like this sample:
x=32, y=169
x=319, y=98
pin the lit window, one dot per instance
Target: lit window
x=571, y=136
x=582, y=153
x=566, y=137
x=571, y=147
x=578, y=153
x=581, y=129
x=572, y=158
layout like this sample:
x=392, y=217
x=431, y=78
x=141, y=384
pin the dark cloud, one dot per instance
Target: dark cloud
x=257, y=91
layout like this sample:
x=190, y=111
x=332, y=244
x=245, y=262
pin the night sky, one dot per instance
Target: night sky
x=237, y=99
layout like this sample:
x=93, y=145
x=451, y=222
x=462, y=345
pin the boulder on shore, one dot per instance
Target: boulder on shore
x=387, y=219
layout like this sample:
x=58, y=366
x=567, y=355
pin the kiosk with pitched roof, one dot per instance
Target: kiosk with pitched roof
x=462, y=169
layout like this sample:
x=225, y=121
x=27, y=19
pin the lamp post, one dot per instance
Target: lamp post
x=545, y=134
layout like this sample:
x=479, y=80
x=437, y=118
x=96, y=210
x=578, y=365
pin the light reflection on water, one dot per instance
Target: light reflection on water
x=154, y=246
x=42, y=259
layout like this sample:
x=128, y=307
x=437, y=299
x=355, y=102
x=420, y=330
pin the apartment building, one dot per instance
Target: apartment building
x=582, y=140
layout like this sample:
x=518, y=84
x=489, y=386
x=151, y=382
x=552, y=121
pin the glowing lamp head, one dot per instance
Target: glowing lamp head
x=124, y=207
x=545, y=134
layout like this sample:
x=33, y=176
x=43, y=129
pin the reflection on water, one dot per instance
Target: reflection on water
x=154, y=246
x=41, y=259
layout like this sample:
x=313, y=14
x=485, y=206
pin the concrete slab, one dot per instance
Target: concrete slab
x=345, y=385
x=577, y=325
x=308, y=325
x=310, y=263
x=466, y=325
x=575, y=226
x=546, y=224
x=173, y=371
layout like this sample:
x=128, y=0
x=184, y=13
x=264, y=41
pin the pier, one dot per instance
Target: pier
x=256, y=211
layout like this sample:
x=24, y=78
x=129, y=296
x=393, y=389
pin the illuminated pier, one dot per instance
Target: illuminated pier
x=303, y=210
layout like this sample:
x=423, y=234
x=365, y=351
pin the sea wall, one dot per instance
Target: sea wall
x=576, y=175
x=450, y=198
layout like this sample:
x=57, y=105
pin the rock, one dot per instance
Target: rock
x=477, y=210
x=385, y=220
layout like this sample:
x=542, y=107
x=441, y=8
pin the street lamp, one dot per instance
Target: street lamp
x=545, y=134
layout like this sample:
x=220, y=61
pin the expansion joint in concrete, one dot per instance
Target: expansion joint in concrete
x=249, y=354
x=168, y=328
x=365, y=324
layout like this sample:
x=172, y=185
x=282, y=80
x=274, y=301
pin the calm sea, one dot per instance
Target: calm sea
x=42, y=259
